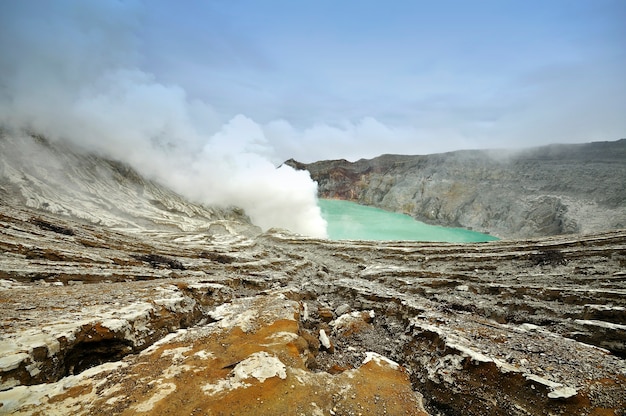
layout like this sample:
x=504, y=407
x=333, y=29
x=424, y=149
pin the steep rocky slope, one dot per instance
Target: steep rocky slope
x=212, y=317
x=551, y=190
x=62, y=179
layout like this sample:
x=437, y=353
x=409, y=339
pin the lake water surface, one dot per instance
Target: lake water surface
x=351, y=221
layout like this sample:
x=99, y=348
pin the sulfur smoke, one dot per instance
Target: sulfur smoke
x=71, y=70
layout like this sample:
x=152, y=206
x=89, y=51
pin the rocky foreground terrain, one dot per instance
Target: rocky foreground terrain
x=119, y=297
x=551, y=190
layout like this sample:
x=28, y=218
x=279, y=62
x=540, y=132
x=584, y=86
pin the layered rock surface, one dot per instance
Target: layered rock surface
x=551, y=190
x=152, y=319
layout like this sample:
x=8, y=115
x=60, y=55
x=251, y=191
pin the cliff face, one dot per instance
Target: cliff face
x=550, y=190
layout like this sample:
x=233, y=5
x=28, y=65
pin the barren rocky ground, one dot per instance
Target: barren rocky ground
x=213, y=317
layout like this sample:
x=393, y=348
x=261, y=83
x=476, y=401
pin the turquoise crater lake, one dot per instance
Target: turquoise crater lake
x=351, y=221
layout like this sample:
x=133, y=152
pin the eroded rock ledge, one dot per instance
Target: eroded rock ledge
x=97, y=321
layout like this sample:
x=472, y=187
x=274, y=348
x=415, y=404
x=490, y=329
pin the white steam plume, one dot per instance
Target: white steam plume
x=69, y=70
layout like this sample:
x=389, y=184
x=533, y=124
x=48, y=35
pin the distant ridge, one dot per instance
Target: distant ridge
x=542, y=191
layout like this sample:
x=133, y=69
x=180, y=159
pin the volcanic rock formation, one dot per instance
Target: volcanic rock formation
x=558, y=189
x=153, y=305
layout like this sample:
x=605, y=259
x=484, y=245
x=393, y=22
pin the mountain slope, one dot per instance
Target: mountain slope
x=61, y=179
x=551, y=190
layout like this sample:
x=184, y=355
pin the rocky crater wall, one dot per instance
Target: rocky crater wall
x=118, y=297
x=551, y=190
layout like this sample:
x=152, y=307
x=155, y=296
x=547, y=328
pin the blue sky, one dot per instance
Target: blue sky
x=349, y=79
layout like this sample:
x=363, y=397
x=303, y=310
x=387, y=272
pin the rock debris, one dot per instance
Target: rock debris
x=175, y=308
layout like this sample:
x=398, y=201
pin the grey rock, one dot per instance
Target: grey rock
x=342, y=309
x=551, y=190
